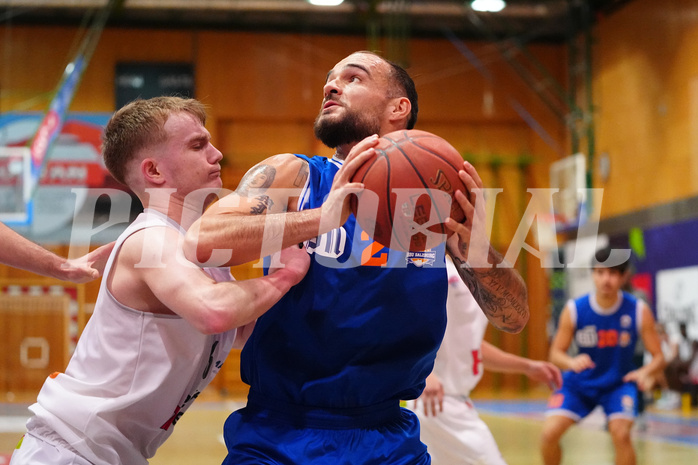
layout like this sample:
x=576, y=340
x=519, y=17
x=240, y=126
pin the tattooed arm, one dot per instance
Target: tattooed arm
x=262, y=204
x=496, y=285
x=261, y=217
x=500, y=292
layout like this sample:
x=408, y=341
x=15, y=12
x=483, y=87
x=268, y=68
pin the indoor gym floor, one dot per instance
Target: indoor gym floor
x=670, y=437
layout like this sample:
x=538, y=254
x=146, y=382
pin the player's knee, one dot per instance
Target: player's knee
x=620, y=432
x=549, y=435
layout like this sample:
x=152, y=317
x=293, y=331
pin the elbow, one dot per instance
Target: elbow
x=201, y=246
x=515, y=321
x=519, y=326
x=191, y=247
x=520, y=311
x=199, y=249
x=213, y=313
x=515, y=327
x=215, y=321
x=523, y=318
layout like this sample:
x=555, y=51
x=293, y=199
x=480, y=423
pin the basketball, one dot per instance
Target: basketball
x=411, y=182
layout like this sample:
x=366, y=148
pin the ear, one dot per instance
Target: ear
x=399, y=108
x=151, y=172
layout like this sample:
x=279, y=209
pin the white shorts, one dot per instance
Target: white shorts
x=458, y=435
x=35, y=451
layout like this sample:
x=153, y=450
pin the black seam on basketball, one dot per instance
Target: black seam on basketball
x=424, y=183
x=368, y=169
x=426, y=188
x=384, y=153
x=426, y=149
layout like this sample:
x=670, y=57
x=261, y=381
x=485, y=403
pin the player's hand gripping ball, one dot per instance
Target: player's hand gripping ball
x=412, y=181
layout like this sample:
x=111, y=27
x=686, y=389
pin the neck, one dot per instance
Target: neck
x=606, y=300
x=342, y=151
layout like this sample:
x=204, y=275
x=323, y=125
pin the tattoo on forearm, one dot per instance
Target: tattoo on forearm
x=264, y=203
x=258, y=179
x=499, y=294
x=301, y=176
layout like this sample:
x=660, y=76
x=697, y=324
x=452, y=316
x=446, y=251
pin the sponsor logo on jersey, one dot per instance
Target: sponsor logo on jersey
x=587, y=337
x=625, y=339
x=423, y=258
x=626, y=321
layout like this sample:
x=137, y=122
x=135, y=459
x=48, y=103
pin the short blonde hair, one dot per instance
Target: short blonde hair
x=140, y=124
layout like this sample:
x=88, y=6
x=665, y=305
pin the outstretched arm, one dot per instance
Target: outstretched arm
x=496, y=360
x=261, y=216
x=152, y=275
x=18, y=252
x=497, y=287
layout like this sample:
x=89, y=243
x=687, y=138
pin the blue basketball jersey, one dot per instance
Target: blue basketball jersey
x=360, y=329
x=608, y=336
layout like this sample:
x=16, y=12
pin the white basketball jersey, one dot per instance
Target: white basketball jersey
x=459, y=360
x=132, y=376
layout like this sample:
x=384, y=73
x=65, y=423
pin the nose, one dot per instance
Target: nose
x=331, y=87
x=216, y=155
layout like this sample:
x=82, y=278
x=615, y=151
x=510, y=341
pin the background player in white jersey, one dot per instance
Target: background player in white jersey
x=162, y=326
x=450, y=425
x=19, y=252
x=605, y=325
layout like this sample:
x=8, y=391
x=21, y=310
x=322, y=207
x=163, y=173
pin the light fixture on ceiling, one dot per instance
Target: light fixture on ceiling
x=491, y=6
x=325, y=2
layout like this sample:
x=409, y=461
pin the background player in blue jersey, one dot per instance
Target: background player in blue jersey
x=329, y=365
x=605, y=326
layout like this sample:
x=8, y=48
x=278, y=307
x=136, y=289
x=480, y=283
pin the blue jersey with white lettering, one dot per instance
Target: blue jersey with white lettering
x=361, y=328
x=608, y=336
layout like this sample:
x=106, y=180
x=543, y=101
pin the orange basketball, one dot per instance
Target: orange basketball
x=412, y=181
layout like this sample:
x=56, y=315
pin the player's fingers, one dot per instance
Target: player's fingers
x=470, y=183
x=557, y=379
x=362, y=146
x=360, y=157
x=465, y=204
x=456, y=227
x=433, y=406
x=353, y=187
x=470, y=169
x=467, y=180
x=350, y=167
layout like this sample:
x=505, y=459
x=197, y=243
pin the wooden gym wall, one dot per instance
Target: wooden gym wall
x=645, y=85
x=264, y=91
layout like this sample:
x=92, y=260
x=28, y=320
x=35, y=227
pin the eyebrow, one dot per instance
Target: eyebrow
x=200, y=137
x=350, y=65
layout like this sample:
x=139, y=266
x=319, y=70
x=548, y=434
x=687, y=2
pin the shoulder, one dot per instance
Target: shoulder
x=282, y=170
x=282, y=161
x=149, y=243
x=580, y=303
x=631, y=298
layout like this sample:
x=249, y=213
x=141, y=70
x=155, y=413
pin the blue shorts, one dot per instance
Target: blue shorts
x=577, y=402
x=264, y=435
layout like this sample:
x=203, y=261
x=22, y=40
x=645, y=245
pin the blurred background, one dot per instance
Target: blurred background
x=597, y=99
